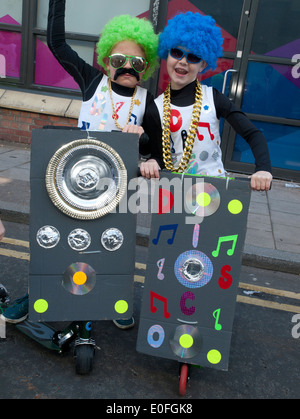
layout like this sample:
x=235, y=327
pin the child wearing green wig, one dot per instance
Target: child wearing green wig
x=127, y=50
x=183, y=122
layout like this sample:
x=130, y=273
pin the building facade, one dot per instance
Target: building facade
x=259, y=70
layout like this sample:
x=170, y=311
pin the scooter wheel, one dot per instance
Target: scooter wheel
x=184, y=370
x=84, y=355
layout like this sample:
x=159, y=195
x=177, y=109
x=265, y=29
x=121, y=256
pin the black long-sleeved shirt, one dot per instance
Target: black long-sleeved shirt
x=224, y=108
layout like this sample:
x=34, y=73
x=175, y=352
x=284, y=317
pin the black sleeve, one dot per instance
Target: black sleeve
x=243, y=126
x=84, y=74
x=152, y=127
x=144, y=143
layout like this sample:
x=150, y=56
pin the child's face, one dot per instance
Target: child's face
x=181, y=72
x=127, y=48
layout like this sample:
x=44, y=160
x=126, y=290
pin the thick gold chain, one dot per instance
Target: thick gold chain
x=113, y=106
x=189, y=144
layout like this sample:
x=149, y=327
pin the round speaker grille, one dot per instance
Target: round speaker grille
x=86, y=179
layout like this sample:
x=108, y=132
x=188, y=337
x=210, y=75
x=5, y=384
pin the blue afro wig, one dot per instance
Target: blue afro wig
x=195, y=32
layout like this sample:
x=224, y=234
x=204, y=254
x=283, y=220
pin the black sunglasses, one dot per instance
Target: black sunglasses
x=139, y=64
x=178, y=54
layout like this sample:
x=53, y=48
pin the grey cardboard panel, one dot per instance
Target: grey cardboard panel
x=202, y=302
x=163, y=334
x=206, y=303
x=97, y=304
x=114, y=270
x=55, y=260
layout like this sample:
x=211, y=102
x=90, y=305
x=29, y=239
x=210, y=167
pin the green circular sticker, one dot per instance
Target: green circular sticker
x=40, y=306
x=121, y=306
x=203, y=199
x=214, y=356
x=235, y=206
x=186, y=341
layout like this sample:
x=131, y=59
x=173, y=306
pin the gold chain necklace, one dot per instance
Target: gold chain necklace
x=114, y=115
x=191, y=134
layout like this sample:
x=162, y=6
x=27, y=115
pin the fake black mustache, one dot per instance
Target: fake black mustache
x=123, y=70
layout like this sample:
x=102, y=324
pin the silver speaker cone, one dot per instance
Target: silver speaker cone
x=112, y=239
x=48, y=237
x=86, y=179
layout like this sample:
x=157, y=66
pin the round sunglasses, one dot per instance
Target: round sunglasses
x=139, y=64
x=178, y=54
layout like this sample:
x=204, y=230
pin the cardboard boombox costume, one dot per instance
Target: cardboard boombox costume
x=82, y=245
x=193, y=269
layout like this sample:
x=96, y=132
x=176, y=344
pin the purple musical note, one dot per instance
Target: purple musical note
x=160, y=265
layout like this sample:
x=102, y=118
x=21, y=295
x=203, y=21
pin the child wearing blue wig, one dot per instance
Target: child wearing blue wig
x=183, y=122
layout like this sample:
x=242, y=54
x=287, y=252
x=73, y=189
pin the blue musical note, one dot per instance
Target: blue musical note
x=166, y=227
x=133, y=117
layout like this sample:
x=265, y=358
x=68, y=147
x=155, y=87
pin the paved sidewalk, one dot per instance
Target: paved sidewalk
x=273, y=229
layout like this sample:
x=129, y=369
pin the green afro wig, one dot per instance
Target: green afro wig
x=123, y=28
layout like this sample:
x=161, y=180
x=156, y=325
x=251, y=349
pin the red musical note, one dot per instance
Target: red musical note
x=205, y=125
x=118, y=107
x=153, y=309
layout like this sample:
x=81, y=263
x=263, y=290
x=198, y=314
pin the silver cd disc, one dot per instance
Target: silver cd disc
x=186, y=341
x=202, y=199
x=79, y=278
